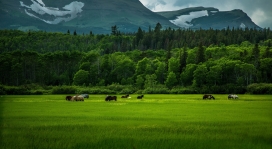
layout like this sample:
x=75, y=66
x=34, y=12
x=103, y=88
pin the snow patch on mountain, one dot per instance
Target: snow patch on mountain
x=243, y=25
x=71, y=11
x=184, y=20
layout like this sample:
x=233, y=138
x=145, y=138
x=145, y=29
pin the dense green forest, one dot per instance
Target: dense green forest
x=154, y=61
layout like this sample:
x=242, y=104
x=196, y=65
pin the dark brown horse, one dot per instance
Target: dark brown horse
x=206, y=96
x=126, y=96
x=140, y=97
x=68, y=98
x=109, y=98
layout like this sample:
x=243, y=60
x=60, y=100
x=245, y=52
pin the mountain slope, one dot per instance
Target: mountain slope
x=82, y=15
x=205, y=18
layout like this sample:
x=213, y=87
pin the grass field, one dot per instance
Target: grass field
x=155, y=122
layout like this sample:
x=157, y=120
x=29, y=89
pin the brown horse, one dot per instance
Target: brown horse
x=68, y=98
x=109, y=98
x=140, y=97
x=126, y=96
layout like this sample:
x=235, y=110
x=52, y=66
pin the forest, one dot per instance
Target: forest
x=231, y=60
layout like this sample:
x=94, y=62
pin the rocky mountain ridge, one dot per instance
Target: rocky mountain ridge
x=84, y=16
x=206, y=18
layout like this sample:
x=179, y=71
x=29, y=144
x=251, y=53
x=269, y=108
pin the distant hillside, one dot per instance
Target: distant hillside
x=84, y=16
x=81, y=15
x=205, y=18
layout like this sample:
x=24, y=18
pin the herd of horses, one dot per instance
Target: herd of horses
x=109, y=98
x=209, y=96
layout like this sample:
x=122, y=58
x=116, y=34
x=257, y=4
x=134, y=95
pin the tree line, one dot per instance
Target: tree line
x=153, y=39
x=154, y=61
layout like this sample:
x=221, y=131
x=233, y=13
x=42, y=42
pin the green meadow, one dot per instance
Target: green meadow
x=155, y=122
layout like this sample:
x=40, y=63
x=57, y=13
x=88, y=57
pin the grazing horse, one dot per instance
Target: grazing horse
x=232, y=96
x=140, y=97
x=85, y=95
x=68, y=98
x=77, y=98
x=109, y=98
x=208, y=96
x=126, y=96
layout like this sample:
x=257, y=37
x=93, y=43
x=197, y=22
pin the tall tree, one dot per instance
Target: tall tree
x=200, y=75
x=186, y=76
x=267, y=53
x=114, y=30
x=139, y=82
x=200, y=54
x=150, y=81
x=158, y=28
x=213, y=76
x=256, y=55
x=81, y=77
x=160, y=72
x=182, y=59
x=173, y=65
x=139, y=36
x=171, y=80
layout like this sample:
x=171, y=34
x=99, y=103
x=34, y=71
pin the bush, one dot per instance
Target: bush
x=127, y=91
x=183, y=90
x=139, y=92
x=222, y=89
x=95, y=90
x=15, y=90
x=262, y=88
x=38, y=92
x=64, y=90
x=104, y=91
x=2, y=90
x=161, y=90
x=83, y=91
x=116, y=87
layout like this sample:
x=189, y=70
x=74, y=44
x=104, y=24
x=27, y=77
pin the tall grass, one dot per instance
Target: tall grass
x=157, y=121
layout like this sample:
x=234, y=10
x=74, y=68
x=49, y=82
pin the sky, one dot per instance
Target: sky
x=260, y=11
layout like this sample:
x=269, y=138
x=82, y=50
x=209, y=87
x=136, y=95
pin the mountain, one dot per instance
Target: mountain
x=206, y=18
x=97, y=16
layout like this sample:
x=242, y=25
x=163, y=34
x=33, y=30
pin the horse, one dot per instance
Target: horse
x=68, y=98
x=232, y=96
x=140, y=97
x=77, y=98
x=85, y=95
x=206, y=96
x=126, y=96
x=109, y=98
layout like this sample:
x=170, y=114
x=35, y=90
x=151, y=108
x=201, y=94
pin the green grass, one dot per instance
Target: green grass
x=157, y=121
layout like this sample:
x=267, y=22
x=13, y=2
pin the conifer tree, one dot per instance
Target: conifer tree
x=139, y=36
x=200, y=54
x=182, y=59
x=256, y=55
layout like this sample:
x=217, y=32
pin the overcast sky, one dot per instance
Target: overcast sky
x=260, y=11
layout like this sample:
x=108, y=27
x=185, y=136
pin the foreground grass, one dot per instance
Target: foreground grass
x=157, y=121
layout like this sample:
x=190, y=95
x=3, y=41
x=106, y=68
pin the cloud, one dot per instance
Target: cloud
x=258, y=10
x=160, y=5
x=259, y=16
